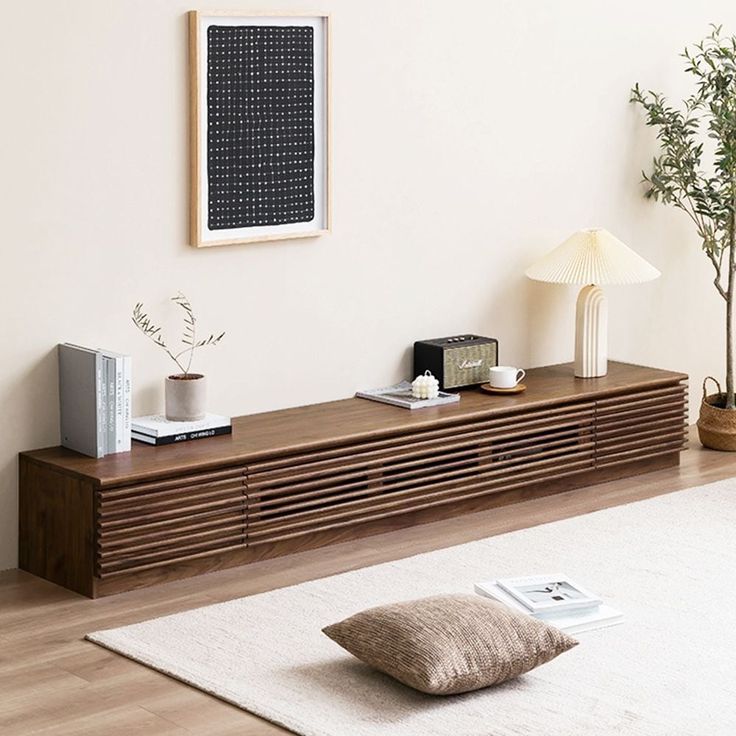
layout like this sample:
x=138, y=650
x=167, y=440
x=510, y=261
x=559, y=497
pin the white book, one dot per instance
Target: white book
x=157, y=425
x=119, y=430
x=572, y=622
x=400, y=395
x=119, y=388
x=183, y=436
x=127, y=400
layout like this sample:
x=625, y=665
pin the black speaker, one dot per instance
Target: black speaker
x=461, y=360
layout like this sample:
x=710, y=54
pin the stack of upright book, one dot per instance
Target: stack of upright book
x=95, y=400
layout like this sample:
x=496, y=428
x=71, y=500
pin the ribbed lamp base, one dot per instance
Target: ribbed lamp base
x=591, y=333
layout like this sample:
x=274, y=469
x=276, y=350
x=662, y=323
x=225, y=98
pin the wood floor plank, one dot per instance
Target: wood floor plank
x=122, y=721
x=36, y=679
x=78, y=711
x=52, y=681
x=206, y=716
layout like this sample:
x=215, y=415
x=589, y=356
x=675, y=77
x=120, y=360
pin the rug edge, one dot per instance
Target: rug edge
x=135, y=655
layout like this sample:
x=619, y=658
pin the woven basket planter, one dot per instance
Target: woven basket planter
x=716, y=426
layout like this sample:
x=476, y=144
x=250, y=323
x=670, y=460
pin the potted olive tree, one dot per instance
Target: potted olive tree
x=186, y=392
x=701, y=181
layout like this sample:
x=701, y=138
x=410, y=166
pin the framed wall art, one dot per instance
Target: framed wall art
x=260, y=116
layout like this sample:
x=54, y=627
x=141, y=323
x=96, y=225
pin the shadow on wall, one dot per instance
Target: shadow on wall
x=405, y=365
x=549, y=321
x=528, y=318
x=149, y=398
x=34, y=393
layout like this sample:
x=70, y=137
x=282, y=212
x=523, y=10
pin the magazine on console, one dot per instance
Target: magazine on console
x=400, y=395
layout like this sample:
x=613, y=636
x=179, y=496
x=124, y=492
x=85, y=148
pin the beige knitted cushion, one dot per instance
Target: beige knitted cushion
x=449, y=643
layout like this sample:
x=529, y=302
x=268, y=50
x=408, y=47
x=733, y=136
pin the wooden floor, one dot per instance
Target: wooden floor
x=54, y=682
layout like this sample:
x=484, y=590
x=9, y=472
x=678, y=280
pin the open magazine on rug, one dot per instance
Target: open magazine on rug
x=591, y=614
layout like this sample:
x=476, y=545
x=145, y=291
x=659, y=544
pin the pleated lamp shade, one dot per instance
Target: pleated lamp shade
x=592, y=257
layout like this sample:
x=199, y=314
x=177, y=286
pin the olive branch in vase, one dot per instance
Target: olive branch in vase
x=183, y=358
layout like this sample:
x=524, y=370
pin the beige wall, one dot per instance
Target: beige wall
x=469, y=138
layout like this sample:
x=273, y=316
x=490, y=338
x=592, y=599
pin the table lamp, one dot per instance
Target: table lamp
x=592, y=257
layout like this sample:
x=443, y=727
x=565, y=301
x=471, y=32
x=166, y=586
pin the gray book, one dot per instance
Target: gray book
x=108, y=369
x=82, y=400
x=118, y=400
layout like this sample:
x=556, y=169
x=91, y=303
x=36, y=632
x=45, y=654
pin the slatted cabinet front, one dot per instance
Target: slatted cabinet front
x=148, y=525
x=640, y=425
x=315, y=492
x=154, y=524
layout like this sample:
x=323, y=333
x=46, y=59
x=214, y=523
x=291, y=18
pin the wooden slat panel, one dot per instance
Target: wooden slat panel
x=632, y=401
x=171, y=536
x=169, y=552
x=120, y=562
x=673, y=416
x=627, y=397
x=222, y=504
x=633, y=415
x=674, y=402
x=641, y=424
x=520, y=421
x=167, y=520
x=301, y=469
x=409, y=498
x=665, y=424
x=171, y=548
x=419, y=507
x=276, y=532
x=614, y=429
x=172, y=483
x=402, y=476
x=674, y=424
x=613, y=446
x=639, y=439
x=258, y=508
x=416, y=451
x=489, y=452
x=654, y=451
x=153, y=505
x=184, y=490
x=171, y=561
x=304, y=481
x=202, y=517
x=636, y=409
x=641, y=414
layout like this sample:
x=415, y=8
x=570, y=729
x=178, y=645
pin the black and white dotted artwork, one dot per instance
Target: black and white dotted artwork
x=260, y=125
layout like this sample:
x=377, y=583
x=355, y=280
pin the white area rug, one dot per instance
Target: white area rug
x=668, y=563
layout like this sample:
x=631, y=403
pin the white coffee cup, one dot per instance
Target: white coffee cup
x=505, y=376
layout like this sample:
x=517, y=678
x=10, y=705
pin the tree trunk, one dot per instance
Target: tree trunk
x=730, y=399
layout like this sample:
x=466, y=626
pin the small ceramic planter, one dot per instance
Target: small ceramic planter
x=186, y=397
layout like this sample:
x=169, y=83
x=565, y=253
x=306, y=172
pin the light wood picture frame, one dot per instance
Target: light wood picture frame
x=259, y=126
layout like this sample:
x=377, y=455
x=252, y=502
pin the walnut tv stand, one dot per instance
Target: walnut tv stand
x=289, y=480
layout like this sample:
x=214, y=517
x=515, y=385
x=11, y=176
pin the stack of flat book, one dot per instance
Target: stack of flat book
x=156, y=429
x=555, y=599
x=95, y=400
